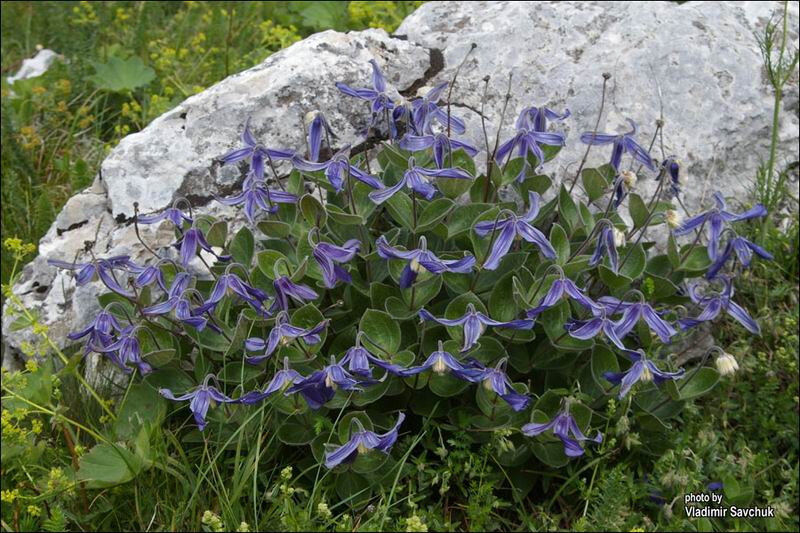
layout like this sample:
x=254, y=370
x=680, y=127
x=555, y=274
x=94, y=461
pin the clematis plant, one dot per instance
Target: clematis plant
x=373, y=301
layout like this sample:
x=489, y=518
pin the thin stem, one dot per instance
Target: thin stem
x=606, y=77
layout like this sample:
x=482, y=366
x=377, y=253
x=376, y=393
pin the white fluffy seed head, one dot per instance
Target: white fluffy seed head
x=423, y=91
x=673, y=218
x=310, y=116
x=629, y=179
x=726, y=364
x=647, y=375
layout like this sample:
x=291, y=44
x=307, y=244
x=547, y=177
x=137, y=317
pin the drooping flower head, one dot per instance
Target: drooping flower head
x=359, y=360
x=441, y=363
x=256, y=152
x=528, y=140
x=474, y=324
x=608, y=241
x=362, y=441
x=337, y=168
x=285, y=289
x=417, y=179
x=421, y=258
x=717, y=218
x=318, y=388
x=126, y=351
x=712, y=303
x=496, y=379
x=329, y=257
x=442, y=146
x=513, y=227
x=563, y=287
x=565, y=428
x=317, y=126
x=100, y=332
x=632, y=312
x=178, y=300
x=282, y=334
x=622, y=144
x=202, y=397
x=426, y=111
x=231, y=283
x=173, y=213
x=642, y=370
x=256, y=195
x=378, y=96
x=190, y=241
x=103, y=268
x=744, y=250
x=282, y=380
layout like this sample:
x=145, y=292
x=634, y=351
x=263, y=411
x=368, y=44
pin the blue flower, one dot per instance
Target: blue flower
x=495, y=379
x=606, y=245
x=673, y=167
x=712, y=304
x=126, y=350
x=514, y=227
x=717, y=218
x=282, y=334
x=282, y=380
x=377, y=96
x=317, y=126
x=202, y=397
x=336, y=169
x=359, y=359
x=174, y=214
x=255, y=152
x=233, y=284
x=362, y=441
x=535, y=118
x=441, y=363
x=416, y=179
x=623, y=144
x=318, y=388
x=642, y=369
x=442, y=145
x=563, y=287
x=562, y=425
x=528, y=139
x=188, y=243
x=147, y=275
x=593, y=327
x=426, y=110
x=178, y=302
x=104, y=268
x=285, y=288
x=257, y=195
x=420, y=259
x=328, y=256
x=100, y=332
x=744, y=251
x=474, y=324
x=632, y=312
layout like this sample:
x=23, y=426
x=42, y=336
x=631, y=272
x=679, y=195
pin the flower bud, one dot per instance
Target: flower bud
x=726, y=364
x=629, y=179
x=619, y=238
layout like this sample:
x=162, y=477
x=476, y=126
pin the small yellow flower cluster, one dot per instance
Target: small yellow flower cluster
x=275, y=37
x=29, y=138
x=212, y=521
x=324, y=511
x=415, y=523
x=84, y=14
x=18, y=248
x=8, y=496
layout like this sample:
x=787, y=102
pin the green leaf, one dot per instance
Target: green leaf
x=242, y=247
x=433, y=213
x=560, y=241
x=401, y=208
x=295, y=433
x=594, y=183
x=672, y=252
x=107, y=465
x=381, y=330
x=275, y=228
x=698, y=384
x=638, y=210
x=340, y=217
x=567, y=211
x=463, y=218
x=217, y=234
x=121, y=75
x=308, y=317
x=313, y=211
x=142, y=404
x=603, y=360
x=266, y=261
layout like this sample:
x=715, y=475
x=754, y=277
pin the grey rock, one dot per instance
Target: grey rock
x=698, y=64
x=34, y=66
